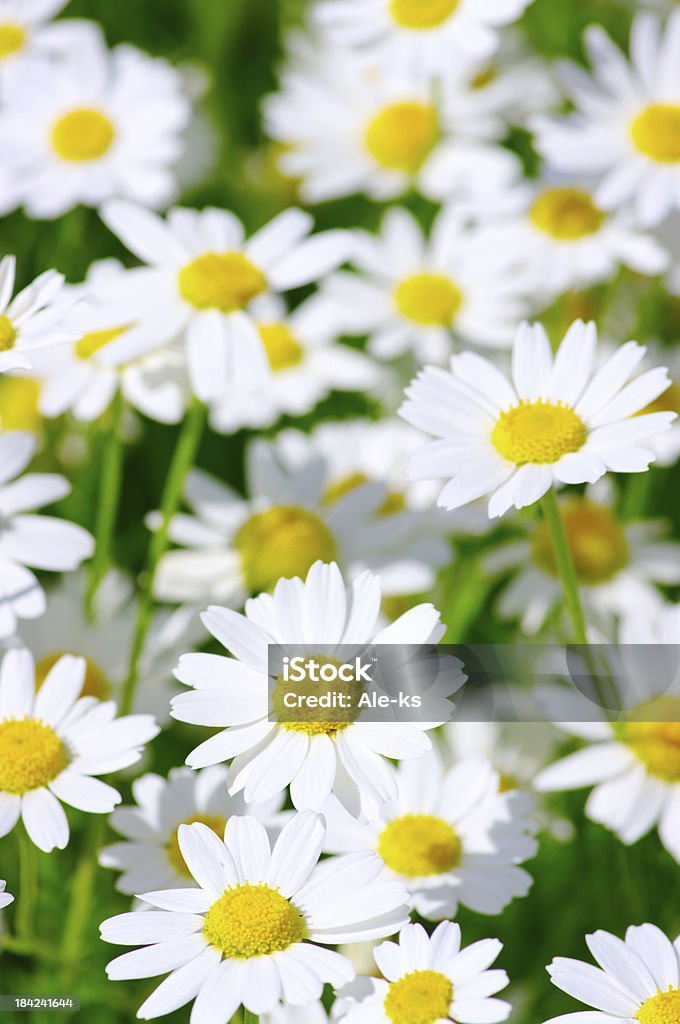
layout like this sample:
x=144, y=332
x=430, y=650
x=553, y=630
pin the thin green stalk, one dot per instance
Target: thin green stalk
x=28, y=887
x=22, y=947
x=182, y=460
x=110, y=480
x=637, y=496
x=78, y=914
x=466, y=592
x=565, y=565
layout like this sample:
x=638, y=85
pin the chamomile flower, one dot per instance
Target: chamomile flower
x=26, y=539
x=149, y=852
x=201, y=278
x=637, y=978
x=666, y=446
x=53, y=744
x=556, y=420
x=93, y=126
x=428, y=978
x=32, y=320
x=315, y=758
x=626, y=127
x=422, y=36
x=306, y=364
x=451, y=836
x=5, y=897
x=254, y=931
x=26, y=32
x=416, y=294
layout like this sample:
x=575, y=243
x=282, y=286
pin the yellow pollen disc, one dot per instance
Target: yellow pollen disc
x=419, y=844
x=95, y=685
x=226, y=281
x=656, y=132
x=566, y=214
x=283, y=351
x=7, y=334
x=91, y=343
x=12, y=39
x=213, y=821
x=421, y=997
x=31, y=755
x=428, y=299
x=539, y=432
x=422, y=14
x=19, y=398
x=401, y=136
x=663, y=1008
x=597, y=541
x=393, y=503
x=253, y=920
x=669, y=401
x=283, y=541
x=308, y=718
x=83, y=134
x=655, y=742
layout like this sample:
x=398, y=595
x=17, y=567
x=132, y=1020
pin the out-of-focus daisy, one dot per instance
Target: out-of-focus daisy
x=26, y=539
x=5, y=897
x=412, y=293
x=32, y=320
x=390, y=132
x=556, y=419
x=451, y=836
x=346, y=756
x=53, y=743
x=93, y=126
x=422, y=36
x=201, y=279
x=293, y=516
x=636, y=979
x=305, y=361
x=626, y=128
x=149, y=853
x=666, y=446
x=633, y=763
x=514, y=81
x=254, y=931
x=26, y=31
x=428, y=978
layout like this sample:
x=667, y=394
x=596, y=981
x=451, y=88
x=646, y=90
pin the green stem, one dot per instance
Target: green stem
x=637, y=496
x=82, y=888
x=565, y=565
x=182, y=460
x=465, y=596
x=108, y=501
x=22, y=947
x=28, y=887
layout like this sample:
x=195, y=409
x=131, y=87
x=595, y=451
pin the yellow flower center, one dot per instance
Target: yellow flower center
x=283, y=351
x=7, y=334
x=253, y=920
x=12, y=39
x=226, y=281
x=308, y=717
x=422, y=14
x=96, y=683
x=31, y=755
x=19, y=398
x=669, y=401
x=596, y=539
x=83, y=134
x=213, y=821
x=539, y=432
x=566, y=214
x=393, y=503
x=91, y=343
x=421, y=997
x=655, y=742
x=284, y=541
x=656, y=132
x=663, y=1008
x=428, y=299
x=419, y=844
x=401, y=136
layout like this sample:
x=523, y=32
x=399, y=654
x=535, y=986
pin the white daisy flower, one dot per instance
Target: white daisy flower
x=5, y=897
x=390, y=132
x=32, y=320
x=311, y=1013
x=666, y=446
x=306, y=364
x=149, y=853
x=453, y=837
x=557, y=420
x=315, y=758
x=255, y=930
x=428, y=978
x=515, y=81
x=93, y=126
x=26, y=539
x=626, y=128
x=416, y=294
x=633, y=763
x=201, y=277
x=26, y=32
x=422, y=36
x=52, y=744
x=637, y=978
